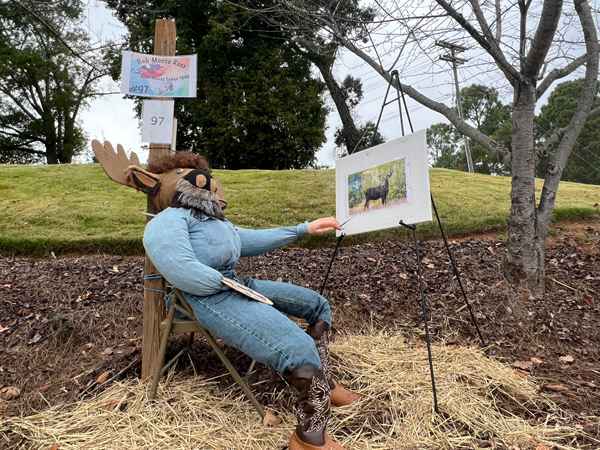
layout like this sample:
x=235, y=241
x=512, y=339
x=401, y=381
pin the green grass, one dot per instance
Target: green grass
x=77, y=209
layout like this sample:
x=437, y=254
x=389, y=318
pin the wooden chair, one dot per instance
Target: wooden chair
x=172, y=325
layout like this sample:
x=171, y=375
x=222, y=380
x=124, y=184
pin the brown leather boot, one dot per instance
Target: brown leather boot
x=312, y=409
x=340, y=396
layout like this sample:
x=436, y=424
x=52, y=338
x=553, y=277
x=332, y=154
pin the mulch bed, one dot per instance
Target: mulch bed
x=65, y=322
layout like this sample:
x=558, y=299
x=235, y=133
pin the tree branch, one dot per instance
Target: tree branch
x=558, y=134
x=560, y=73
x=26, y=88
x=10, y=95
x=544, y=36
x=582, y=112
x=485, y=28
x=553, y=140
x=485, y=141
x=52, y=30
x=6, y=130
x=510, y=72
x=498, y=21
x=18, y=148
x=594, y=114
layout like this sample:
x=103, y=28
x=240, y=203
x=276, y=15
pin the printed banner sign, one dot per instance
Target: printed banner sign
x=158, y=76
x=157, y=121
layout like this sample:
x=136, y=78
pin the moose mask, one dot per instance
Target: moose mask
x=161, y=178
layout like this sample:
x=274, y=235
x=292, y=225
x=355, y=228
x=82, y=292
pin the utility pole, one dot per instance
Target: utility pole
x=454, y=49
x=154, y=310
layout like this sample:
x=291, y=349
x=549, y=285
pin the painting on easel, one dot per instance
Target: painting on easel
x=382, y=185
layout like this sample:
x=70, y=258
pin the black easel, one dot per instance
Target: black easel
x=400, y=93
x=414, y=228
x=395, y=77
x=483, y=344
x=331, y=261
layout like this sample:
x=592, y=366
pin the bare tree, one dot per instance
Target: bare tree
x=522, y=47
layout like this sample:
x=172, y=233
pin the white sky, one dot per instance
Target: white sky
x=112, y=117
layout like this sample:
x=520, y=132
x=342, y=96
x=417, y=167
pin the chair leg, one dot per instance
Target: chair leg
x=233, y=372
x=250, y=369
x=161, y=354
x=222, y=356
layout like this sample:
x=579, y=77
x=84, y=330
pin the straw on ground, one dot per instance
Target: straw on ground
x=478, y=399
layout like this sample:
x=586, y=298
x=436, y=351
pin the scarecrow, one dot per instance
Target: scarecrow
x=196, y=249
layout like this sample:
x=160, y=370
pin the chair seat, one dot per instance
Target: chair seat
x=174, y=324
x=182, y=325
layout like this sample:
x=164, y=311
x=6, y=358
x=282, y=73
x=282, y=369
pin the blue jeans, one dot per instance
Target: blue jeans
x=261, y=331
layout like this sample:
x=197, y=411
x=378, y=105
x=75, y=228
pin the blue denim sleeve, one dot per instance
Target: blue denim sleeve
x=257, y=242
x=167, y=242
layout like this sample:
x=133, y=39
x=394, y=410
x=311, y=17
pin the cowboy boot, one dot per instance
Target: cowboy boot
x=340, y=396
x=312, y=408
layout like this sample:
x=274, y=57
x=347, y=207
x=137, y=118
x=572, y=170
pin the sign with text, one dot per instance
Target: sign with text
x=157, y=121
x=158, y=76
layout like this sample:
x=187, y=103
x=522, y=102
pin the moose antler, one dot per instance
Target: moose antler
x=114, y=163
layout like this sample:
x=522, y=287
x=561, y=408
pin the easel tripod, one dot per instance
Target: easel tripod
x=416, y=242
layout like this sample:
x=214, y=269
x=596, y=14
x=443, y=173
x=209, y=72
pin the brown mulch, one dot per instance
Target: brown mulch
x=65, y=322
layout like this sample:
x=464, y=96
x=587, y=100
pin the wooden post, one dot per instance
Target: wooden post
x=154, y=301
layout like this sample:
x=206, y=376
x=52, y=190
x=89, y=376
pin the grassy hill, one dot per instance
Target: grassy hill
x=77, y=209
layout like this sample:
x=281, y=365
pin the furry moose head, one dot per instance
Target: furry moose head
x=161, y=176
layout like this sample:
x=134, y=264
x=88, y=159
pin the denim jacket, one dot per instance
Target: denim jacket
x=195, y=254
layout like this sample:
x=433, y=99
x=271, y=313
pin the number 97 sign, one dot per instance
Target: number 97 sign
x=157, y=121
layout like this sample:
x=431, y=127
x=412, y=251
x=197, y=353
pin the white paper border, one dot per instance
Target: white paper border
x=418, y=207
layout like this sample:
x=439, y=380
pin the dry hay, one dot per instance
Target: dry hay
x=396, y=412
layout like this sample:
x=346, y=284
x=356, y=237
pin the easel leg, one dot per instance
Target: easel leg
x=414, y=228
x=456, y=272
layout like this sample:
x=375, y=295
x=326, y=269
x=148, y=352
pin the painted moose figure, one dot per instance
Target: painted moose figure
x=380, y=191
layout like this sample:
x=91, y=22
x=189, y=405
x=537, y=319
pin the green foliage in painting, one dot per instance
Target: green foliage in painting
x=394, y=173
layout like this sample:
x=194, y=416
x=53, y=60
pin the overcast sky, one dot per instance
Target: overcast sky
x=112, y=118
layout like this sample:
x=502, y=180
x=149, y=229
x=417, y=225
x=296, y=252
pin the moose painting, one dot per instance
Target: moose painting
x=383, y=185
x=380, y=191
x=376, y=188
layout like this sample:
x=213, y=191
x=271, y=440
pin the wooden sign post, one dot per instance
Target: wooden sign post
x=154, y=301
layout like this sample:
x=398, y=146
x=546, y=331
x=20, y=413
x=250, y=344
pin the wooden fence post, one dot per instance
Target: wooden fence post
x=154, y=301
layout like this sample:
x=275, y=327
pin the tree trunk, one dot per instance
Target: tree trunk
x=349, y=132
x=51, y=151
x=523, y=266
x=68, y=142
x=51, y=156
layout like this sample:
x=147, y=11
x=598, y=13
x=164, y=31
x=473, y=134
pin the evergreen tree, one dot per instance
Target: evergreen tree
x=481, y=107
x=258, y=105
x=365, y=135
x=48, y=73
x=584, y=164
